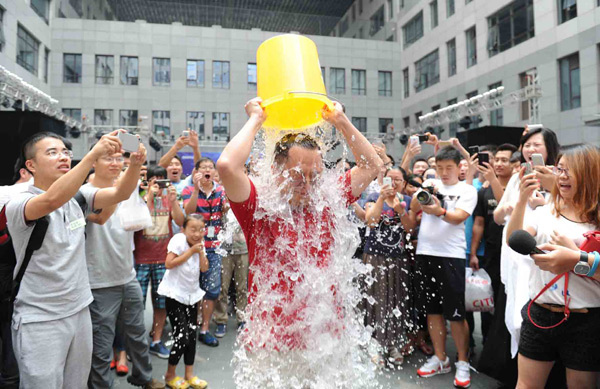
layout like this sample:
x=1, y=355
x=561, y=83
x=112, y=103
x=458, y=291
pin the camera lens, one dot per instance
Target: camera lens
x=424, y=197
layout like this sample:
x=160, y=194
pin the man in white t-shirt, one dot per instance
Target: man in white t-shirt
x=441, y=264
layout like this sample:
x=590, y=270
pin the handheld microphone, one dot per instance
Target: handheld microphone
x=523, y=243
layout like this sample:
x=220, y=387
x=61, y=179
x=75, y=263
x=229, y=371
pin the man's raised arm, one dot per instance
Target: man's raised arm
x=368, y=164
x=233, y=158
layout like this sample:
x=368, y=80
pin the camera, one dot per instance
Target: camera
x=425, y=195
x=163, y=183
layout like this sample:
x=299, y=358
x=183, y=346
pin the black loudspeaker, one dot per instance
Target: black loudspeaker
x=490, y=135
x=16, y=127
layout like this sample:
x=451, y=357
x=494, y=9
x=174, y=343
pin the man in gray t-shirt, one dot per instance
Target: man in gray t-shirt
x=117, y=293
x=51, y=326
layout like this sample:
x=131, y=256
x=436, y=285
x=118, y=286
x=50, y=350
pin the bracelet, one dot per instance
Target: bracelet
x=595, y=265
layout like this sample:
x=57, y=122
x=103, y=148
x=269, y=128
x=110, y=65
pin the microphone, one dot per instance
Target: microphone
x=523, y=243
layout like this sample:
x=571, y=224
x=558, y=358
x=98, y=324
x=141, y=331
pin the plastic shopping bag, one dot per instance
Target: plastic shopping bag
x=479, y=295
x=134, y=214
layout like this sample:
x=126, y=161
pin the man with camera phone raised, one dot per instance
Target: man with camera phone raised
x=446, y=204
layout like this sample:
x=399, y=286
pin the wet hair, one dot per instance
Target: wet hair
x=193, y=216
x=28, y=149
x=202, y=160
x=506, y=147
x=550, y=141
x=282, y=148
x=156, y=171
x=584, y=169
x=448, y=153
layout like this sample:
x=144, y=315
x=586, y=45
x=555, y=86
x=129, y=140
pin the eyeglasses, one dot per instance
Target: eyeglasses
x=53, y=153
x=113, y=159
x=557, y=170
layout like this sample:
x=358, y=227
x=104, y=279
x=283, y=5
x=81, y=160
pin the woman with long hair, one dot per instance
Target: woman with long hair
x=573, y=209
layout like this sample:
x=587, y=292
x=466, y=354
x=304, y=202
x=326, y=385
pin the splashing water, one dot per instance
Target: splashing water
x=303, y=328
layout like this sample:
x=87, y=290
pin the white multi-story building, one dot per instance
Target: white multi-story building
x=455, y=49
x=169, y=77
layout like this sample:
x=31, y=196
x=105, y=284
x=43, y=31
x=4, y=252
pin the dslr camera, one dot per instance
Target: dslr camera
x=426, y=193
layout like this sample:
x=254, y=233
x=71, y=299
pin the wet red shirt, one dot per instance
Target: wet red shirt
x=266, y=255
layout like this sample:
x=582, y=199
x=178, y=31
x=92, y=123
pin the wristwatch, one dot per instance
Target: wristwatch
x=582, y=268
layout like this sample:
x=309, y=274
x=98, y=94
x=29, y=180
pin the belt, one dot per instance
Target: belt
x=561, y=308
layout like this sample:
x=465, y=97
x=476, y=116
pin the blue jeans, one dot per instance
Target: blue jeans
x=210, y=281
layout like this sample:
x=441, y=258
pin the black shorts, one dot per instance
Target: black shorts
x=576, y=342
x=442, y=284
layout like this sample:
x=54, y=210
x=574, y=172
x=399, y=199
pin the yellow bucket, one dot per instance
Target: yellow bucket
x=290, y=82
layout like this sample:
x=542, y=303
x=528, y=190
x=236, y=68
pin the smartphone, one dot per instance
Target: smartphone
x=414, y=140
x=537, y=160
x=483, y=157
x=531, y=127
x=387, y=181
x=185, y=133
x=163, y=183
x=423, y=138
x=473, y=150
x=528, y=168
x=444, y=143
x=130, y=142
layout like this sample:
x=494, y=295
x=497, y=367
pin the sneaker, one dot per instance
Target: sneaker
x=434, y=366
x=153, y=384
x=159, y=350
x=462, y=378
x=208, y=339
x=221, y=330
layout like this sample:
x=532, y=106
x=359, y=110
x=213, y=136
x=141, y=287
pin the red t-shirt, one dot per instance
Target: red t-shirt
x=261, y=236
x=151, y=243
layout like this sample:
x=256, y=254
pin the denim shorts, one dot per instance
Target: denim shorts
x=210, y=281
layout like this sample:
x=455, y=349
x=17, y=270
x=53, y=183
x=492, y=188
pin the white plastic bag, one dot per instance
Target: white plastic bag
x=134, y=213
x=479, y=295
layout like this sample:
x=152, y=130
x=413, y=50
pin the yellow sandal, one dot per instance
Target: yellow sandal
x=178, y=383
x=197, y=383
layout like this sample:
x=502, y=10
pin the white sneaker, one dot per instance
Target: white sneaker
x=462, y=378
x=434, y=366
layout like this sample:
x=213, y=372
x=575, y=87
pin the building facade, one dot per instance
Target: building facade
x=452, y=50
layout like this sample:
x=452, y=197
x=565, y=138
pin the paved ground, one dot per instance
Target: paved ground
x=214, y=366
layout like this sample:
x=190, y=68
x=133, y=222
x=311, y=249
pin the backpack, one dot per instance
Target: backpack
x=9, y=287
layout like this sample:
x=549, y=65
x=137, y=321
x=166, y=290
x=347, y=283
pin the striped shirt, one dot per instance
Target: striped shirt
x=211, y=208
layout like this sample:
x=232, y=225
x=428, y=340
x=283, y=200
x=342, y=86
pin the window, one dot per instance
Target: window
x=251, y=76
x=27, y=50
x=129, y=70
x=510, y=26
x=360, y=7
x=451, y=47
x=567, y=10
x=337, y=79
x=570, y=89
x=390, y=9
x=103, y=117
x=359, y=82
x=128, y=117
x=385, y=83
x=46, y=64
x=343, y=26
x=323, y=74
x=2, y=38
x=353, y=12
x=195, y=73
x=526, y=79
x=433, y=9
x=385, y=125
x=105, y=65
x=496, y=115
x=360, y=123
x=452, y=126
x=405, y=82
x=413, y=30
x=471, y=47
x=450, y=8
x=427, y=71
x=221, y=124
x=72, y=68
x=475, y=119
x=221, y=74
x=74, y=113
x=406, y=121
x=195, y=121
x=161, y=122
x=41, y=8
x=161, y=68
x=377, y=21
x=417, y=116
